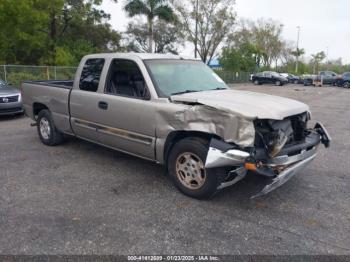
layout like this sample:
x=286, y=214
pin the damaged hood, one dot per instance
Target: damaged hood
x=247, y=104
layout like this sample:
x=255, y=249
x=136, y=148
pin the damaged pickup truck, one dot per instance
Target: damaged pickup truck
x=177, y=112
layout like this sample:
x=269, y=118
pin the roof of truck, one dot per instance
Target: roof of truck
x=142, y=56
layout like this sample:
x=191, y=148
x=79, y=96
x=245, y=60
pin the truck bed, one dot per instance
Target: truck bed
x=52, y=94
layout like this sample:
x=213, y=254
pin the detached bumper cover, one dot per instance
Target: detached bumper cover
x=285, y=175
x=292, y=160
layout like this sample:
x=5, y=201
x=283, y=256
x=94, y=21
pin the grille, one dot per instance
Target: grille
x=8, y=99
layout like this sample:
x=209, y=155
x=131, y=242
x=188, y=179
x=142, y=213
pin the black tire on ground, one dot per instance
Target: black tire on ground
x=213, y=177
x=47, y=131
x=346, y=85
x=278, y=83
x=256, y=82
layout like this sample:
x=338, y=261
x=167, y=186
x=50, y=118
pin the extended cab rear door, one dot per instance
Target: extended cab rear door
x=84, y=98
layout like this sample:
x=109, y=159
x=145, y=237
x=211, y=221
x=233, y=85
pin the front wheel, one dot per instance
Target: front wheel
x=186, y=167
x=48, y=133
x=278, y=83
x=346, y=85
x=256, y=82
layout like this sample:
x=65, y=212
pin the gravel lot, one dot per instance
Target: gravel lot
x=80, y=198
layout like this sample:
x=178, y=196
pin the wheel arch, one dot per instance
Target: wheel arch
x=37, y=107
x=175, y=136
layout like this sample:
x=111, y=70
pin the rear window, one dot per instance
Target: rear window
x=91, y=74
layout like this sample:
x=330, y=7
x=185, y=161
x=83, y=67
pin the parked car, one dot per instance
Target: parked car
x=343, y=80
x=10, y=100
x=327, y=77
x=291, y=78
x=308, y=80
x=177, y=112
x=269, y=78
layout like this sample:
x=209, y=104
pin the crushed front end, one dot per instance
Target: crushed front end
x=282, y=148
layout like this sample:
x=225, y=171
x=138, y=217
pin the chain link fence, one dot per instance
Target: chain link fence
x=234, y=77
x=15, y=74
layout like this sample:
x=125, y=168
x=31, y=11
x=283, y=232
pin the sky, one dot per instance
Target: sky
x=325, y=24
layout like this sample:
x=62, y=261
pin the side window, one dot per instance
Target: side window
x=91, y=74
x=126, y=79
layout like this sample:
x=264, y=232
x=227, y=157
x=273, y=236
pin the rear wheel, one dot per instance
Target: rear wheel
x=346, y=85
x=48, y=133
x=256, y=82
x=186, y=165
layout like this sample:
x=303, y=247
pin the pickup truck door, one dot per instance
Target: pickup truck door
x=126, y=112
x=84, y=99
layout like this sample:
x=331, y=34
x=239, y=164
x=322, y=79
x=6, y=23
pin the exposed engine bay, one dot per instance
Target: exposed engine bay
x=282, y=148
x=273, y=135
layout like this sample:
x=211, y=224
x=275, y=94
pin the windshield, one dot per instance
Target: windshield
x=182, y=76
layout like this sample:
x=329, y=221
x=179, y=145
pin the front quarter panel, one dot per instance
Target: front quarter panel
x=172, y=117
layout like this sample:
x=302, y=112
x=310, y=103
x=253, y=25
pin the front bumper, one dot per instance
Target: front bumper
x=289, y=162
x=11, y=108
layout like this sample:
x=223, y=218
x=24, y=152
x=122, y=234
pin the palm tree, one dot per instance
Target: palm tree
x=298, y=53
x=152, y=9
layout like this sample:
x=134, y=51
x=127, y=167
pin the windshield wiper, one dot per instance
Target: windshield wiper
x=185, y=92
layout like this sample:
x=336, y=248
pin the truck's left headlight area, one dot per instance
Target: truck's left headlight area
x=273, y=135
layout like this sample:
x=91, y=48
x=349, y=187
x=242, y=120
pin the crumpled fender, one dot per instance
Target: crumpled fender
x=232, y=128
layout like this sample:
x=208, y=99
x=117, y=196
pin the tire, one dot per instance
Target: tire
x=346, y=85
x=296, y=82
x=48, y=133
x=278, y=83
x=256, y=82
x=184, y=166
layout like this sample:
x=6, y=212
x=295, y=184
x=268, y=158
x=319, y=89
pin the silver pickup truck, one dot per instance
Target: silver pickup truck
x=177, y=112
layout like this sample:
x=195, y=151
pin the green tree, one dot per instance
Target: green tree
x=206, y=23
x=22, y=40
x=55, y=32
x=316, y=60
x=242, y=59
x=167, y=37
x=152, y=9
x=297, y=53
x=265, y=35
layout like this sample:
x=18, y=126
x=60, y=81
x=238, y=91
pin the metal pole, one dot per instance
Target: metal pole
x=196, y=33
x=297, y=53
x=327, y=58
x=5, y=74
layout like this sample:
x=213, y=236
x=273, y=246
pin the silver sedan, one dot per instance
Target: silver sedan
x=10, y=100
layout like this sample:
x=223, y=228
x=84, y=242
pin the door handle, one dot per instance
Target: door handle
x=103, y=105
